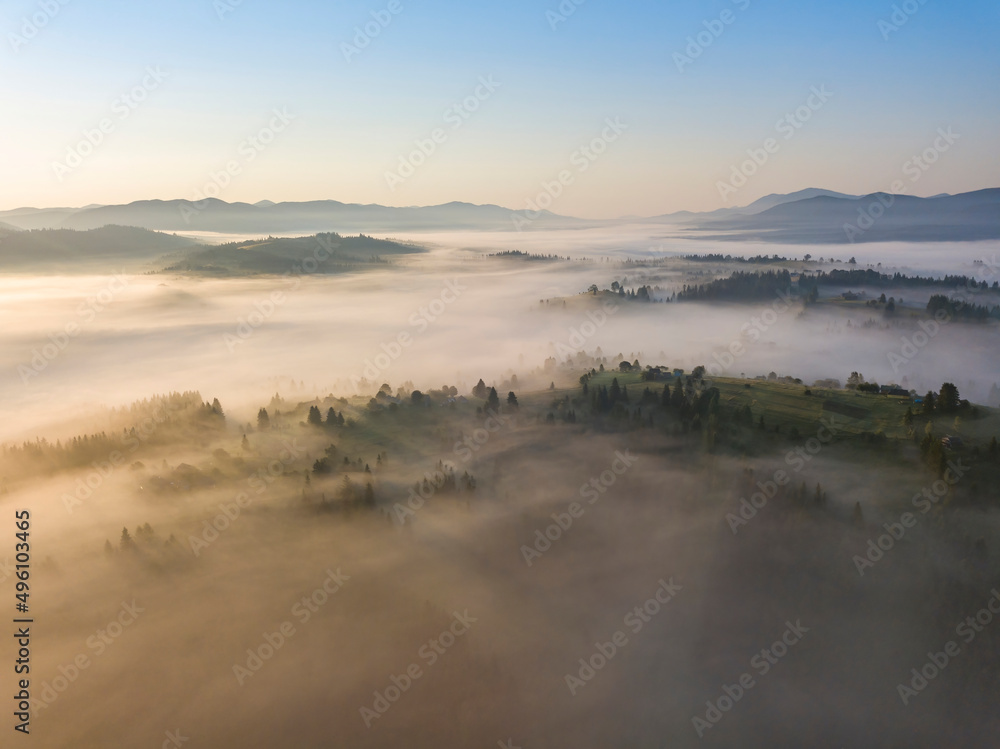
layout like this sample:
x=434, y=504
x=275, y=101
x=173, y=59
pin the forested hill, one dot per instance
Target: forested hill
x=320, y=253
x=70, y=250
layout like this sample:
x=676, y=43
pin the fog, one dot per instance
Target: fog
x=242, y=532
x=154, y=333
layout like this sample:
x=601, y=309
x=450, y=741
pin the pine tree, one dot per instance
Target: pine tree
x=263, y=420
x=614, y=392
x=126, y=543
x=347, y=489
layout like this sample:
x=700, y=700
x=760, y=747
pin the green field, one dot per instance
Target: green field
x=787, y=405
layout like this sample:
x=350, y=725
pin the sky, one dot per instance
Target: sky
x=589, y=108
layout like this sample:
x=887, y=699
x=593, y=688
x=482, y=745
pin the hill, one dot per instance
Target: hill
x=265, y=217
x=879, y=217
x=106, y=247
x=332, y=253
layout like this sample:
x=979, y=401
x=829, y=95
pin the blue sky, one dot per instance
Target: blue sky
x=355, y=122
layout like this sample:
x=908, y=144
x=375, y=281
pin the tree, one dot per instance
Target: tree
x=126, y=543
x=929, y=403
x=480, y=389
x=511, y=399
x=315, y=417
x=677, y=399
x=493, y=400
x=347, y=490
x=908, y=416
x=416, y=397
x=614, y=392
x=369, y=495
x=948, y=400
x=245, y=444
x=263, y=420
x=217, y=407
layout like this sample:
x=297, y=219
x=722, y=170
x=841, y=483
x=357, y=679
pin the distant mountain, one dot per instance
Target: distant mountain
x=770, y=201
x=309, y=217
x=37, y=218
x=104, y=249
x=759, y=205
x=332, y=253
x=813, y=216
x=879, y=217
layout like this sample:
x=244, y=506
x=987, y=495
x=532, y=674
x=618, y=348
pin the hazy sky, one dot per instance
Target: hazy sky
x=557, y=78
